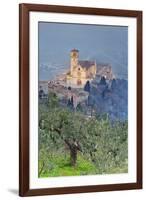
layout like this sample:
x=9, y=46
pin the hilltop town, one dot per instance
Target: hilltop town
x=89, y=87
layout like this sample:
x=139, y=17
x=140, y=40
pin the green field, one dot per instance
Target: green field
x=60, y=166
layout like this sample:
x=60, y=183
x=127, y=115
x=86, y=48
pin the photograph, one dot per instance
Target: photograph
x=83, y=99
x=80, y=105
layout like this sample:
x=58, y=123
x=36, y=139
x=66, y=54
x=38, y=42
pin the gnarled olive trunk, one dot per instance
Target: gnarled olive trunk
x=73, y=156
x=74, y=147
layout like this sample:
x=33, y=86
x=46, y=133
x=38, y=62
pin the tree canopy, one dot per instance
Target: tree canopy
x=103, y=143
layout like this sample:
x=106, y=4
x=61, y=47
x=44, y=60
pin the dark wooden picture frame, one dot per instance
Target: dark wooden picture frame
x=24, y=148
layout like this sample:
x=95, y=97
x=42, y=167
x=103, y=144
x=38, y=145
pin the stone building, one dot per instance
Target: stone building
x=80, y=70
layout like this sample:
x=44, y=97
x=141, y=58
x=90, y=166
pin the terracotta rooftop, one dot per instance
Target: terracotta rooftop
x=74, y=50
x=86, y=63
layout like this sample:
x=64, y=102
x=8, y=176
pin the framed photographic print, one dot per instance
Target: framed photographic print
x=80, y=99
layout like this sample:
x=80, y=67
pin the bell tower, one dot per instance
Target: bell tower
x=74, y=55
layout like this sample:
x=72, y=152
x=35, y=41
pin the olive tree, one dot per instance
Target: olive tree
x=98, y=139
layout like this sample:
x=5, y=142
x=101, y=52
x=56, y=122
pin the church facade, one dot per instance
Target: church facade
x=81, y=71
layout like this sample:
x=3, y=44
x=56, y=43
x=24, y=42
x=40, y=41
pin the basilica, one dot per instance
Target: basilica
x=80, y=70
